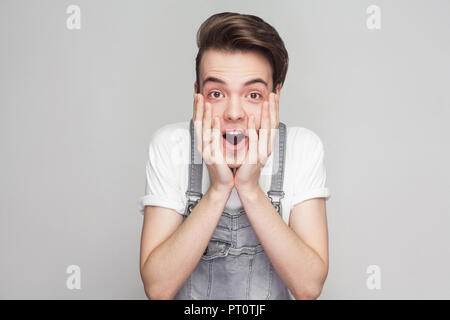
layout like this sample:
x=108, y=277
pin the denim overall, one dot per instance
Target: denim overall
x=234, y=266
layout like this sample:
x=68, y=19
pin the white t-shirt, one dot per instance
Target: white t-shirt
x=168, y=164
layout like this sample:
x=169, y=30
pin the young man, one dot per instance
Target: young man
x=248, y=221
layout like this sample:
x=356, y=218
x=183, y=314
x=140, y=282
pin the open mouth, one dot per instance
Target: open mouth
x=234, y=139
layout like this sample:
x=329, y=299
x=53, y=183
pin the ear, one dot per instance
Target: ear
x=278, y=89
x=195, y=87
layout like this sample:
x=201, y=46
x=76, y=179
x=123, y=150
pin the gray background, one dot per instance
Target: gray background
x=77, y=110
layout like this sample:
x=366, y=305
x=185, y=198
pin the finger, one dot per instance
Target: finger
x=199, y=107
x=273, y=124
x=263, y=141
x=253, y=141
x=207, y=132
x=198, y=119
x=273, y=111
x=207, y=119
x=216, y=152
x=272, y=136
x=265, y=118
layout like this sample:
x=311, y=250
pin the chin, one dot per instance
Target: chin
x=235, y=163
x=235, y=159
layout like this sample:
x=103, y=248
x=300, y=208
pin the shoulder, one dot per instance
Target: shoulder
x=170, y=132
x=301, y=139
x=170, y=135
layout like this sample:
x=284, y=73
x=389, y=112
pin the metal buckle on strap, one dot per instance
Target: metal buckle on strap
x=189, y=207
x=275, y=196
x=193, y=199
x=277, y=206
x=192, y=195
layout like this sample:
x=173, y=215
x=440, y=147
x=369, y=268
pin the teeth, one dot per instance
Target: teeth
x=234, y=132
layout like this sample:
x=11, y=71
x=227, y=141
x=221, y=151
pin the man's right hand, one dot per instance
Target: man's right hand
x=209, y=145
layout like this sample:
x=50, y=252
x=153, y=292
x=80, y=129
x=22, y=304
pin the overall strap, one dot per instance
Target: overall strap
x=276, y=192
x=194, y=191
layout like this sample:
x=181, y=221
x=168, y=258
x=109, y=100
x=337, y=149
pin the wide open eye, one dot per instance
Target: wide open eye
x=255, y=95
x=215, y=94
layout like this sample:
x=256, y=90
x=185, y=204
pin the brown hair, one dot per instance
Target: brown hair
x=242, y=32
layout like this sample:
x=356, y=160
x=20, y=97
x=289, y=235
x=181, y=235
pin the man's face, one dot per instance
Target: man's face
x=235, y=84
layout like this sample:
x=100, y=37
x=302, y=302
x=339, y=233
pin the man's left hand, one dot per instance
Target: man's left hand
x=260, y=145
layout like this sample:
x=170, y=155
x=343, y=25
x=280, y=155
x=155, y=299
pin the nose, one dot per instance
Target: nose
x=234, y=110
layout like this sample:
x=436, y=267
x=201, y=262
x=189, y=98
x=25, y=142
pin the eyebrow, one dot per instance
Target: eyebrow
x=249, y=82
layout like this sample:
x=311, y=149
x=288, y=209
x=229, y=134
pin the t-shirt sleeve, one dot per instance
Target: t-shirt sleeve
x=162, y=176
x=311, y=175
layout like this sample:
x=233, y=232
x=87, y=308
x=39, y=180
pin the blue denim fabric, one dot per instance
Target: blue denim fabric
x=234, y=265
